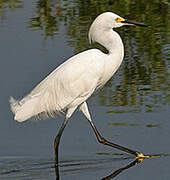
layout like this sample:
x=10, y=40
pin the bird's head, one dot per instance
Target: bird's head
x=107, y=21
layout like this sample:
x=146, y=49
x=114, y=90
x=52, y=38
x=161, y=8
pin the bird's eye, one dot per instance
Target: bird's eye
x=117, y=19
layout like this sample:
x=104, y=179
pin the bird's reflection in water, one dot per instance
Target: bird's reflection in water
x=112, y=175
x=57, y=171
x=118, y=171
x=133, y=163
x=102, y=161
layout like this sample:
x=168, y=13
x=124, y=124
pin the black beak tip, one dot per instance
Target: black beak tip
x=135, y=23
x=143, y=25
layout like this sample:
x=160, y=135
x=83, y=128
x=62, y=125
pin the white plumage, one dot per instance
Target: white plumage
x=74, y=81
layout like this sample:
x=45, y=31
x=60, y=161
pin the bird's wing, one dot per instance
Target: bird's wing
x=70, y=84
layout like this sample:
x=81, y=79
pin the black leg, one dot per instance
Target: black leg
x=105, y=142
x=85, y=111
x=56, y=146
x=57, y=139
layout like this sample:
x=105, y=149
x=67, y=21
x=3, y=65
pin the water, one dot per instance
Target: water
x=131, y=110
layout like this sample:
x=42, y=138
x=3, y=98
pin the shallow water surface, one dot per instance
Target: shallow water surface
x=107, y=167
x=131, y=110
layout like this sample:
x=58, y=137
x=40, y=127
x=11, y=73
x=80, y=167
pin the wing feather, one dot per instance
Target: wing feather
x=68, y=85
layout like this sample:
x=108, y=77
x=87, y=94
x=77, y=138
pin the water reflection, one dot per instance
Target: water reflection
x=12, y=4
x=84, y=165
x=47, y=18
x=112, y=175
x=126, y=124
x=8, y=4
x=17, y=168
x=131, y=164
x=118, y=171
x=142, y=83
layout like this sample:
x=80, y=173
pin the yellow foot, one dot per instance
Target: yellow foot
x=141, y=157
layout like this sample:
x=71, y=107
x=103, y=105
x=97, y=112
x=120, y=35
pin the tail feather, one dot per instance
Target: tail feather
x=14, y=104
x=23, y=109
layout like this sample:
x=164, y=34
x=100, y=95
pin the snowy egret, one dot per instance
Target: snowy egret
x=70, y=85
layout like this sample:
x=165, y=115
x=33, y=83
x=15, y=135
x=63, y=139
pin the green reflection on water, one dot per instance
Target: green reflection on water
x=142, y=82
x=12, y=4
x=46, y=19
x=126, y=124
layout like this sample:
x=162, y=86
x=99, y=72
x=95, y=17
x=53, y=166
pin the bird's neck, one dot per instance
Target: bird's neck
x=113, y=43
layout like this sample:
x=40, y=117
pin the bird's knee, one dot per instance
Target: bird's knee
x=102, y=140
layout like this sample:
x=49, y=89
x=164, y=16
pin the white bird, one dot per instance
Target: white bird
x=70, y=85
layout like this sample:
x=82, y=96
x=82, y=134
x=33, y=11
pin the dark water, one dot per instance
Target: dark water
x=133, y=109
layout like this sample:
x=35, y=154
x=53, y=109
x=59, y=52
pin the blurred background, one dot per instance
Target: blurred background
x=132, y=109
